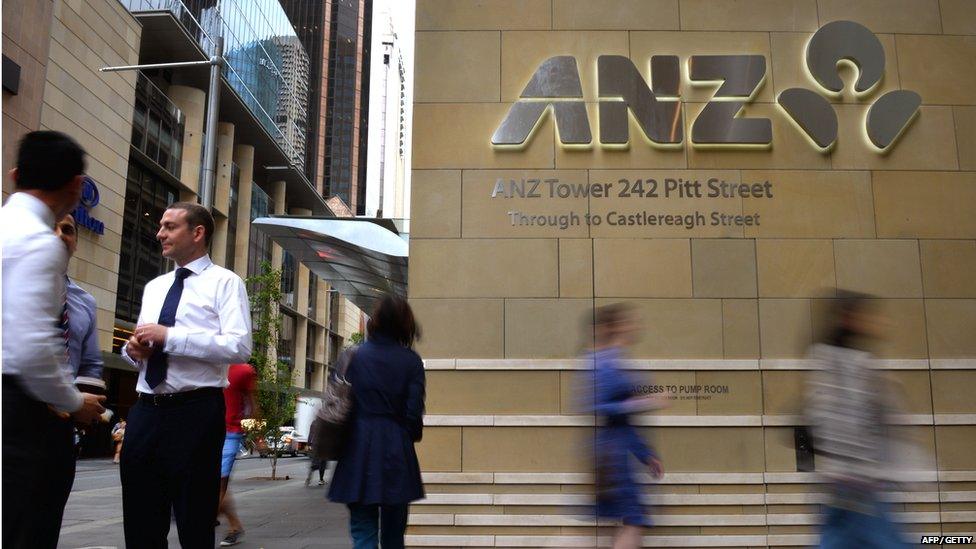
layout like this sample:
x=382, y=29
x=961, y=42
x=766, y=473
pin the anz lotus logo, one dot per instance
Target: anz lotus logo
x=657, y=108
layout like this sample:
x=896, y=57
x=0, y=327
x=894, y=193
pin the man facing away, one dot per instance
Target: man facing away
x=240, y=402
x=194, y=322
x=38, y=395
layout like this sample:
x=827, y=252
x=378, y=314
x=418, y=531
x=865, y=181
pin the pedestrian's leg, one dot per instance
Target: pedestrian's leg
x=36, y=449
x=195, y=469
x=878, y=530
x=227, y=508
x=627, y=537
x=322, y=468
x=58, y=480
x=364, y=525
x=146, y=502
x=232, y=444
x=393, y=524
x=837, y=529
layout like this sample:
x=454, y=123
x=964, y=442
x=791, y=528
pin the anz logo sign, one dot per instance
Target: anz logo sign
x=656, y=108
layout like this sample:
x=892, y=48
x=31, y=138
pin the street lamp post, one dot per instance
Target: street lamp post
x=213, y=104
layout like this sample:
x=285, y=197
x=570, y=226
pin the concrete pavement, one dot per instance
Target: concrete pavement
x=276, y=514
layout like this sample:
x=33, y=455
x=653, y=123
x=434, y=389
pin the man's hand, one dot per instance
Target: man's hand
x=151, y=335
x=90, y=409
x=657, y=468
x=136, y=350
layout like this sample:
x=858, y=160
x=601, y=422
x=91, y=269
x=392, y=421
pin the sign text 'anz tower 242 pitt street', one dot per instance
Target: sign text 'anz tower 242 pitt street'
x=725, y=166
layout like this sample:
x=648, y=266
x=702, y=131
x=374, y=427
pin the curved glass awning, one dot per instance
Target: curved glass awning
x=360, y=258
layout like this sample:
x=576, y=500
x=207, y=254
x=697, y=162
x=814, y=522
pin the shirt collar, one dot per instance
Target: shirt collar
x=34, y=206
x=199, y=264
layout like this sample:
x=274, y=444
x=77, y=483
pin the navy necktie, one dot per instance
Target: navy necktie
x=159, y=361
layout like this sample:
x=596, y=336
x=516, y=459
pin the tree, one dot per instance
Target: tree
x=277, y=396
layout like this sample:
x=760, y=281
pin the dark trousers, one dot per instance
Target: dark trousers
x=365, y=520
x=38, y=469
x=171, y=461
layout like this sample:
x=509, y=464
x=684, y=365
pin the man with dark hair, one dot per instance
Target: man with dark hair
x=84, y=357
x=39, y=398
x=194, y=323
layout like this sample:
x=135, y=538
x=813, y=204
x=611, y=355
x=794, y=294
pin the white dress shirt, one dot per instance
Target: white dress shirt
x=212, y=331
x=34, y=265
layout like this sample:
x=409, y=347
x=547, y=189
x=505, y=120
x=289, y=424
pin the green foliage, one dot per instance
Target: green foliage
x=276, y=395
x=356, y=338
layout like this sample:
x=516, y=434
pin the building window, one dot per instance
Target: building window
x=259, y=243
x=310, y=363
x=286, y=340
x=313, y=295
x=157, y=126
x=146, y=198
x=289, y=279
x=235, y=183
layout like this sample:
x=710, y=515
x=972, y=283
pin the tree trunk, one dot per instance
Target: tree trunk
x=274, y=465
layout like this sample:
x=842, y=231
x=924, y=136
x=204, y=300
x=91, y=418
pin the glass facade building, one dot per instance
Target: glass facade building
x=266, y=63
x=336, y=34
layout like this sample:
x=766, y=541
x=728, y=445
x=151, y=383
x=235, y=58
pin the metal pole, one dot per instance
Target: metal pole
x=210, y=147
x=156, y=66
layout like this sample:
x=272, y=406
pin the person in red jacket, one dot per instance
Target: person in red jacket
x=240, y=403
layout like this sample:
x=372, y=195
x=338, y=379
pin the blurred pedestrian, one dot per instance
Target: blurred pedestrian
x=195, y=322
x=849, y=411
x=40, y=399
x=378, y=475
x=615, y=400
x=118, y=437
x=315, y=464
x=239, y=398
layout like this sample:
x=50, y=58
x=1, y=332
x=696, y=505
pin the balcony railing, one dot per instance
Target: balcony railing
x=254, y=72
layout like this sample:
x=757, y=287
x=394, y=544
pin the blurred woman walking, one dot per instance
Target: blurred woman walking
x=615, y=328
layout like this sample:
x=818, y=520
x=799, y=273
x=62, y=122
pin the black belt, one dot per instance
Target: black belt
x=173, y=399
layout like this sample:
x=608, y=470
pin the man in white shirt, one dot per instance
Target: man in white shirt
x=194, y=322
x=38, y=394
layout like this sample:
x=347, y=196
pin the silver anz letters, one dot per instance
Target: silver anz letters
x=656, y=108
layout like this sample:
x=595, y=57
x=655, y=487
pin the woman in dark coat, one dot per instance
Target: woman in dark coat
x=378, y=475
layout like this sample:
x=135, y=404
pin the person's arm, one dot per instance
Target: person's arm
x=416, y=391
x=33, y=343
x=604, y=398
x=231, y=343
x=253, y=410
x=141, y=363
x=638, y=447
x=91, y=357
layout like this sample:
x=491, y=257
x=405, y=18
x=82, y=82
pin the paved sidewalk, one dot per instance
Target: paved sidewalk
x=276, y=514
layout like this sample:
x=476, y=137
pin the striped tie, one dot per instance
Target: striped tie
x=63, y=324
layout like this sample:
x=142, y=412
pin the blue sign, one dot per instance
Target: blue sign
x=89, y=199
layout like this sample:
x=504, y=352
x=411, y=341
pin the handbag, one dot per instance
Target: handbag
x=331, y=425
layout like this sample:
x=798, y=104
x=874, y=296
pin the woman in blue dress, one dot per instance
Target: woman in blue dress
x=378, y=474
x=615, y=399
